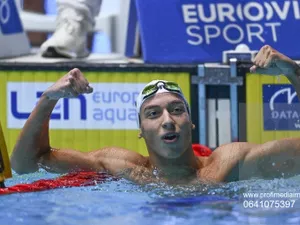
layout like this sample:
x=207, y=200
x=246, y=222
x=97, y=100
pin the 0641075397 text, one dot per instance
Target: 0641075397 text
x=269, y=200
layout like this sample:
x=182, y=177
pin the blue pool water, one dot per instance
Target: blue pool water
x=123, y=202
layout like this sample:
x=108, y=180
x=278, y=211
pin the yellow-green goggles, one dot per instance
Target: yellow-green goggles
x=153, y=88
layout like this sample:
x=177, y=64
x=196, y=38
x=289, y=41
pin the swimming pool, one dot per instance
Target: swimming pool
x=122, y=202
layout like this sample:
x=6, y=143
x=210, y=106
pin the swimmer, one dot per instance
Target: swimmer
x=166, y=127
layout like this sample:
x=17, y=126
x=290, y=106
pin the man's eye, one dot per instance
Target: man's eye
x=151, y=113
x=178, y=110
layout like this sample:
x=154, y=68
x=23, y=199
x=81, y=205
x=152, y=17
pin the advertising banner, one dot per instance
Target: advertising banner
x=273, y=109
x=177, y=31
x=109, y=107
x=281, y=107
x=106, y=117
x=13, y=39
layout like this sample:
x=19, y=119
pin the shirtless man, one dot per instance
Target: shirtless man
x=166, y=126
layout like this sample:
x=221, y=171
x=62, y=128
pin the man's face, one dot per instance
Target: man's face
x=166, y=125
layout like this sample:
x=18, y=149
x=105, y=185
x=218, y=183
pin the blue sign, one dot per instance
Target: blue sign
x=56, y=116
x=10, y=22
x=197, y=31
x=110, y=106
x=281, y=108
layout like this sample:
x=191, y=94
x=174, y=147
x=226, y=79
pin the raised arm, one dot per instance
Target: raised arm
x=33, y=142
x=33, y=149
x=278, y=158
x=271, y=62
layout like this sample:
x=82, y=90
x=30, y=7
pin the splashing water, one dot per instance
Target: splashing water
x=124, y=202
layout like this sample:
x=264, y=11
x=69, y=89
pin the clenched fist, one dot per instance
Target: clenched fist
x=70, y=85
x=269, y=61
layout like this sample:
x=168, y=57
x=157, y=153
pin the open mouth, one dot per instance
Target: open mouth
x=170, y=137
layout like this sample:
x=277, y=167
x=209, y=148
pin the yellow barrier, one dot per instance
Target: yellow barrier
x=254, y=103
x=5, y=169
x=88, y=136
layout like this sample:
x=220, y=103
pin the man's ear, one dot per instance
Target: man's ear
x=140, y=135
x=193, y=126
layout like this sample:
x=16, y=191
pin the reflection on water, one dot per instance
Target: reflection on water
x=123, y=202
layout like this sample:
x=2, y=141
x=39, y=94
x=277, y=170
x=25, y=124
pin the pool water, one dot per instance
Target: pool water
x=123, y=202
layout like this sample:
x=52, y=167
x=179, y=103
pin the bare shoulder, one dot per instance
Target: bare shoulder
x=231, y=151
x=222, y=164
x=234, y=149
x=117, y=152
x=110, y=159
x=116, y=159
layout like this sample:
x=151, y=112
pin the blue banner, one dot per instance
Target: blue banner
x=281, y=109
x=10, y=22
x=197, y=31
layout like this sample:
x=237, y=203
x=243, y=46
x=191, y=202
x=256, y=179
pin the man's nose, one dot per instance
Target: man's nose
x=168, y=122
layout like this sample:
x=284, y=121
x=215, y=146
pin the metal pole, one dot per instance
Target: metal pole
x=202, y=107
x=233, y=101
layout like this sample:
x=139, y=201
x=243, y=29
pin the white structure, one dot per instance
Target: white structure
x=219, y=127
x=112, y=20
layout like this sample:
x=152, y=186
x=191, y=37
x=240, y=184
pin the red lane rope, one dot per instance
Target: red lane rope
x=78, y=179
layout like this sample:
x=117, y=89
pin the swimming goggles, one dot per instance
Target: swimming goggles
x=151, y=89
